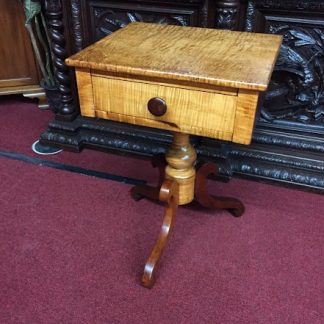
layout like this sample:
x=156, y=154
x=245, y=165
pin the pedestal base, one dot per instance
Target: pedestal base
x=168, y=190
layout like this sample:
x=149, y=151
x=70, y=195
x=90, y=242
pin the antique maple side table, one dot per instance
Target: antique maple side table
x=185, y=80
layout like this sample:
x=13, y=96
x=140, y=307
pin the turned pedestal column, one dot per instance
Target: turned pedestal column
x=179, y=184
x=181, y=157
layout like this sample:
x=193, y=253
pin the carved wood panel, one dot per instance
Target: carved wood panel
x=296, y=93
x=302, y=6
x=108, y=16
x=227, y=14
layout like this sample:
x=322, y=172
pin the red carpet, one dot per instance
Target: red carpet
x=21, y=123
x=72, y=247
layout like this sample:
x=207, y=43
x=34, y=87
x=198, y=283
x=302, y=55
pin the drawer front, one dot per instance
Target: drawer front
x=192, y=111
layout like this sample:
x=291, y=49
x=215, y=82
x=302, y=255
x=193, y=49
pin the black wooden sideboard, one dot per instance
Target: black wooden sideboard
x=288, y=141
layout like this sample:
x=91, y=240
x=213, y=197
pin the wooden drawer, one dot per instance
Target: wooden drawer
x=212, y=112
x=198, y=112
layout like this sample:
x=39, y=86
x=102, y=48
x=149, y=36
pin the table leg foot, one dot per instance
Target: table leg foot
x=168, y=194
x=150, y=192
x=145, y=191
x=158, y=161
x=233, y=205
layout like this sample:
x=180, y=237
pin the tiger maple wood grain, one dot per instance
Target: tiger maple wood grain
x=181, y=156
x=247, y=102
x=84, y=81
x=189, y=111
x=196, y=55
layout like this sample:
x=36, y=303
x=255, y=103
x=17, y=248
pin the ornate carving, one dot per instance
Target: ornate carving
x=108, y=20
x=53, y=12
x=312, y=5
x=280, y=166
x=250, y=16
x=204, y=13
x=53, y=5
x=227, y=14
x=296, y=92
x=289, y=141
x=76, y=23
x=279, y=173
x=109, y=134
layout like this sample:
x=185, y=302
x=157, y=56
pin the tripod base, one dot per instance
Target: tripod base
x=167, y=191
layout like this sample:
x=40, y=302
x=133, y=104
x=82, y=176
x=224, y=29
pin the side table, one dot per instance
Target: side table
x=186, y=80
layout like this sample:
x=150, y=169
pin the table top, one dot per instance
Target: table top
x=184, y=54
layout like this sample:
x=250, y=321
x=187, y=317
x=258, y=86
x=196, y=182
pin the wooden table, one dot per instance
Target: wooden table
x=186, y=80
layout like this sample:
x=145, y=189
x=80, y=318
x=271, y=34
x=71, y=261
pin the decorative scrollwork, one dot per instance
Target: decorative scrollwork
x=76, y=23
x=250, y=16
x=204, y=14
x=54, y=15
x=108, y=20
x=312, y=5
x=53, y=5
x=227, y=14
x=296, y=91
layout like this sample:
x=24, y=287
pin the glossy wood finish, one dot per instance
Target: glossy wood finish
x=188, y=110
x=168, y=192
x=157, y=106
x=18, y=70
x=116, y=88
x=168, y=195
x=177, y=165
x=219, y=102
x=233, y=205
x=146, y=191
x=247, y=102
x=180, y=158
x=86, y=100
x=196, y=55
x=204, y=170
x=179, y=185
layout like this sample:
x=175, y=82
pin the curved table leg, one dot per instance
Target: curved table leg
x=234, y=206
x=150, y=192
x=168, y=194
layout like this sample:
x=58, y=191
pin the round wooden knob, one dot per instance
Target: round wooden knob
x=157, y=106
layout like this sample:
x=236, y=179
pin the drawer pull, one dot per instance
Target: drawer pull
x=157, y=106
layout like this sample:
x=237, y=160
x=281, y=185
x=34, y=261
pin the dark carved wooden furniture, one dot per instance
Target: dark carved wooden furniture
x=18, y=69
x=288, y=144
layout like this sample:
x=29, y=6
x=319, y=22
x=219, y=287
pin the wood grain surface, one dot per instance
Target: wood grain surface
x=181, y=156
x=174, y=54
x=189, y=111
x=247, y=103
x=84, y=81
x=17, y=63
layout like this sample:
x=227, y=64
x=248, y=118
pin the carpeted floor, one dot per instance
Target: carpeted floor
x=21, y=123
x=72, y=246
